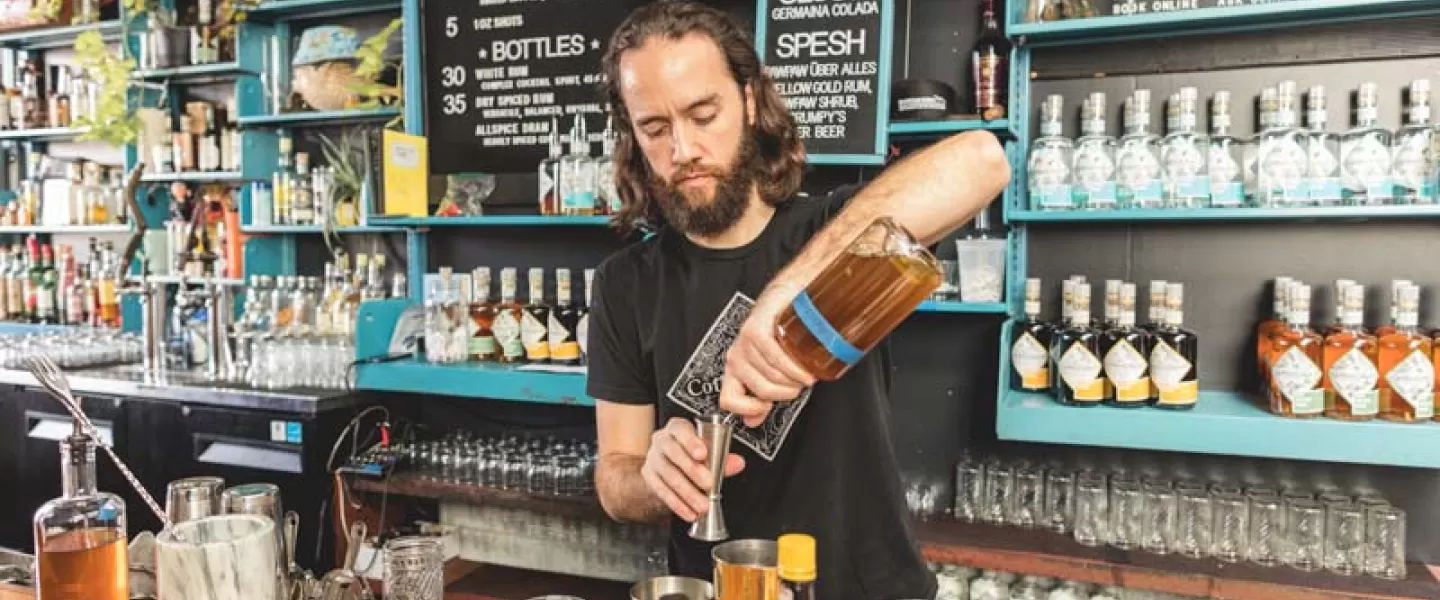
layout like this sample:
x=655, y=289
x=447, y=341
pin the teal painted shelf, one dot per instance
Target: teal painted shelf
x=1226, y=423
x=474, y=380
x=194, y=73
x=315, y=229
x=489, y=221
x=47, y=133
x=329, y=117
x=1226, y=214
x=931, y=306
x=935, y=128
x=9, y=328
x=74, y=229
x=1278, y=14
x=194, y=177
x=314, y=9
x=57, y=37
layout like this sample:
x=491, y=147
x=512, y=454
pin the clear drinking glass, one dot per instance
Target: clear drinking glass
x=969, y=489
x=1029, y=497
x=1194, y=522
x=1385, y=542
x=1267, y=532
x=1127, y=513
x=1232, y=519
x=1092, y=510
x=1161, y=508
x=1059, y=514
x=1344, y=539
x=414, y=568
x=999, y=491
x=1304, y=534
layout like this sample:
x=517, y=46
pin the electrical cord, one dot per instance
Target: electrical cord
x=374, y=360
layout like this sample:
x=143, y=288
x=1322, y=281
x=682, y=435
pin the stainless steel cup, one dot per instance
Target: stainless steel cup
x=193, y=498
x=672, y=588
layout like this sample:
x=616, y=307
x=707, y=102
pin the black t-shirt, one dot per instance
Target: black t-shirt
x=665, y=311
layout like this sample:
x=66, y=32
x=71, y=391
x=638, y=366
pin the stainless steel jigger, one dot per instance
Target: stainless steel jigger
x=714, y=430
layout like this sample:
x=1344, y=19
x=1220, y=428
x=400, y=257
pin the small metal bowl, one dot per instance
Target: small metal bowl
x=672, y=588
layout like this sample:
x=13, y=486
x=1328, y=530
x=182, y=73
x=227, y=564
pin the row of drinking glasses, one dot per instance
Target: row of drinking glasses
x=76, y=349
x=535, y=465
x=962, y=583
x=313, y=362
x=1336, y=532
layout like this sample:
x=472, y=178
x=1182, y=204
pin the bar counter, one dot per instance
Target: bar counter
x=189, y=387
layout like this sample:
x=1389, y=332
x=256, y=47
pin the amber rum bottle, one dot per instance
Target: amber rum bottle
x=1388, y=328
x=1271, y=326
x=80, y=540
x=1295, y=356
x=1077, y=356
x=1339, y=323
x=508, y=316
x=564, y=323
x=1407, y=373
x=482, y=317
x=1126, y=349
x=1030, y=348
x=1175, y=356
x=534, y=328
x=1351, y=358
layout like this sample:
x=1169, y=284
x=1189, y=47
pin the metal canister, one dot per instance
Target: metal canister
x=193, y=498
x=747, y=570
x=671, y=588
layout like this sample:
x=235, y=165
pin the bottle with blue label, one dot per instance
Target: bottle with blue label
x=577, y=174
x=1138, y=160
x=1322, y=173
x=1227, y=184
x=1365, y=153
x=1051, y=158
x=1414, y=167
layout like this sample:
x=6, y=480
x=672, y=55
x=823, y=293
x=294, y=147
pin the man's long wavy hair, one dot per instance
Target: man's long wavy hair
x=782, y=156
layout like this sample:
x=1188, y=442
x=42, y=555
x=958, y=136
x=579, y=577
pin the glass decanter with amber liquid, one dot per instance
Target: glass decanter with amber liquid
x=1030, y=348
x=1351, y=357
x=482, y=317
x=1175, y=356
x=1294, y=360
x=1126, y=349
x=1271, y=326
x=858, y=299
x=1407, y=375
x=1076, y=355
x=80, y=543
x=1396, y=286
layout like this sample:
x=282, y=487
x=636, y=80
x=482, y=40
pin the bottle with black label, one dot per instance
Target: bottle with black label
x=1175, y=358
x=1126, y=349
x=549, y=196
x=1029, y=351
x=564, y=323
x=1076, y=355
x=534, y=326
x=989, y=66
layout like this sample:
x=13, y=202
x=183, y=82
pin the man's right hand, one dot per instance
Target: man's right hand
x=675, y=471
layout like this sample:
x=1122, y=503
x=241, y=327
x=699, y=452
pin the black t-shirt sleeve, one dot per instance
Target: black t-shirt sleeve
x=617, y=366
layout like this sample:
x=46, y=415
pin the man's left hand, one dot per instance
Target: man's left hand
x=758, y=372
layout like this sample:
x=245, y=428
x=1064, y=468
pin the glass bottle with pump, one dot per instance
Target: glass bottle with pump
x=1182, y=155
x=1365, y=153
x=550, y=175
x=482, y=317
x=1414, y=167
x=577, y=187
x=1175, y=356
x=1282, y=157
x=1351, y=363
x=1227, y=183
x=1094, y=157
x=508, y=316
x=80, y=537
x=1296, y=354
x=1137, y=162
x=564, y=323
x=1407, y=376
x=1127, y=350
x=1029, y=351
x=1051, y=157
x=534, y=328
x=1322, y=169
x=1076, y=355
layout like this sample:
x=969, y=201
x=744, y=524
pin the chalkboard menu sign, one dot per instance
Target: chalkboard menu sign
x=831, y=61
x=497, y=71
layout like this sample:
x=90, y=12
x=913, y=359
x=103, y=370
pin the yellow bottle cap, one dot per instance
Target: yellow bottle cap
x=797, y=557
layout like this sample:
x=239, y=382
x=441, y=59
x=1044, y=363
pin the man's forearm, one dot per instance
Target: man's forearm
x=623, y=493
x=930, y=193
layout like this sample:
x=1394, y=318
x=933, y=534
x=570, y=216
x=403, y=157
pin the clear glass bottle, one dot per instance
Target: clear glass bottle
x=1094, y=157
x=80, y=537
x=508, y=316
x=1265, y=112
x=437, y=325
x=1227, y=184
x=577, y=179
x=1137, y=161
x=607, y=197
x=1050, y=158
x=1182, y=155
x=549, y=196
x=1322, y=152
x=1365, y=153
x=1414, y=166
x=1282, y=162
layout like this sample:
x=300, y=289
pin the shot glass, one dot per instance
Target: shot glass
x=1059, y=513
x=1266, y=538
x=1385, y=542
x=1344, y=539
x=1194, y=523
x=1161, y=508
x=1092, y=510
x=1304, y=534
x=1232, y=525
x=1127, y=514
x=999, y=493
x=1029, y=498
x=969, y=489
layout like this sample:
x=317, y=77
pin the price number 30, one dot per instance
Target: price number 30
x=454, y=104
x=452, y=76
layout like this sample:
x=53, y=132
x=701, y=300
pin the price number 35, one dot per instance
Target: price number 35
x=454, y=104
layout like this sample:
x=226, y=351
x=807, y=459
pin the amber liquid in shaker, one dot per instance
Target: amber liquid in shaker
x=84, y=564
x=746, y=582
x=864, y=294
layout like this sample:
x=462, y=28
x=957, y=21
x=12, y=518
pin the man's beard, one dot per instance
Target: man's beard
x=691, y=213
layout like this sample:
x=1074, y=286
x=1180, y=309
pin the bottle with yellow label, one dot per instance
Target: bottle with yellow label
x=796, y=566
x=534, y=324
x=1126, y=349
x=1076, y=355
x=1175, y=356
x=1030, y=348
x=564, y=323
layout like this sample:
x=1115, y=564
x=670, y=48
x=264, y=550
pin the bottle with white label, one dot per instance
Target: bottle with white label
x=1094, y=157
x=1175, y=356
x=1407, y=376
x=508, y=316
x=1322, y=149
x=1227, y=184
x=1029, y=350
x=1352, y=363
x=1076, y=355
x=1137, y=162
x=1051, y=157
x=1126, y=349
x=1413, y=170
x=549, y=192
x=1182, y=154
x=1282, y=160
x=1295, y=358
x=1365, y=153
x=577, y=178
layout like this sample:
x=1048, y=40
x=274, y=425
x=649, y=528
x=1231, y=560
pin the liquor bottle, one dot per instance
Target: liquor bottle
x=1389, y=327
x=1112, y=307
x=550, y=175
x=564, y=323
x=796, y=552
x=1155, y=308
x=5, y=261
x=1094, y=157
x=1264, y=113
x=1413, y=170
x=34, y=84
x=1341, y=286
x=582, y=328
x=45, y=309
x=577, y=179
x=1365, y=153
x=1126, y=350
x=34, y=272
x=508, y=316
x=1182, y=155
x=607, y=196
x=1227, y=186
x=16, y=95
x=80, y=537
x=533, y=326
x=482, y=317
x=1322, y=152
x=1407, y=375
x=1137, y=162
x=208, y=142
x=16, y=289
x=1282, y=158
x=302, y=194
x=58, y=101
x=1351, y=358
x=989, y=66
x=1050, y=159
x=1077, y=356
x=1295, y=357
x=1029, y=351
x=107, y=293
x=438, y=328
x=1175, y=356
x=1272, y=326
x=280, y=189
x=93, y=197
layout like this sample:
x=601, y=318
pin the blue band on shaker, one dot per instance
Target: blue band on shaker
x=823, y=331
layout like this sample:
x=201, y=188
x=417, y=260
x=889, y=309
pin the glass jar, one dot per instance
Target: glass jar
x=415, y=568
